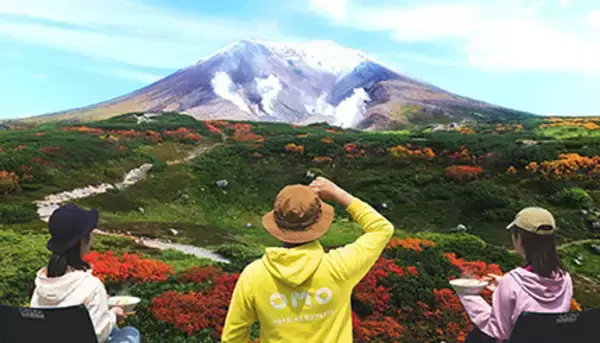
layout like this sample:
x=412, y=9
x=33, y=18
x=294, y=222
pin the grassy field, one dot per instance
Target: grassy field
x=426, y=182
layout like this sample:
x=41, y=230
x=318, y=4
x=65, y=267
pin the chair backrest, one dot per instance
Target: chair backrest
x=40, y=325
x=571, y=327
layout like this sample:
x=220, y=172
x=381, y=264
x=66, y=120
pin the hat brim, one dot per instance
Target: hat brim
x=91, y=223
x=314, y=232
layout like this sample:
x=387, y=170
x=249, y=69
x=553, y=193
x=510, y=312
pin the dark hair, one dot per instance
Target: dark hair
x=58, y=263
x=540, y=251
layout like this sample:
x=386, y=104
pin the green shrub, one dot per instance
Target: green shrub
x=17, y=213
x=239, y=255
x=473, y=248
x=21, y=256
x=573, y=197
x=115, y=173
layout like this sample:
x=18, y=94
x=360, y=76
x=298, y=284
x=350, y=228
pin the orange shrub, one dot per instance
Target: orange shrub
x=463, y=156
x=9, y=182
x=322, y=160
x=327, y=140
x=415, y=244
x=511, y=171
x=399, y=151
x=294, y=149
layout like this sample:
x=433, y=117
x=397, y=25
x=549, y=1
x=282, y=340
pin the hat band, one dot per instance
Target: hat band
x=300, y=226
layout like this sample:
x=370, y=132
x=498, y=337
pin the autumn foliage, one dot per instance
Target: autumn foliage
x=463, y=173
x=9, y=182
x=568, y=166
x=400, y=151
x=109, y=267
x=294, y=149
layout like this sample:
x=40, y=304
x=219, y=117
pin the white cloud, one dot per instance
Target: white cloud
x=40, y=76
x=531, y=45
x=127, y=31
x=126, y=74
x=564, y=3
x=593, y=20
x=493, y=35
x=427, y=22
x=335, y=9
x=534, y=7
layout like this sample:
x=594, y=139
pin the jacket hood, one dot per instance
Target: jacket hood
x=295, y=265
x=542, y=289
x=55, y=290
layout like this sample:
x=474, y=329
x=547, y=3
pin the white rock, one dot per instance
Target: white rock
x=174, y=232
x=222, y=183
x=141, y=209
x=384, y=205
x=248, y=225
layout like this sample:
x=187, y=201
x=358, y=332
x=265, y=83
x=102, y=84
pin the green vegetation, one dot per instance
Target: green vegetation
x=431, y=184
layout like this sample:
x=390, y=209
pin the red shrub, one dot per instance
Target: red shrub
x=463, y=173
x=200, y=274
x=475, y=269
x=194, y=312
x=129, y=267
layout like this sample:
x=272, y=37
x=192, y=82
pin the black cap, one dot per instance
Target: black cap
x=68, y=225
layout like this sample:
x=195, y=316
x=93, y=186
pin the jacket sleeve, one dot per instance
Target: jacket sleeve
x=353, y=261
x=496, y=320
x=104, y=321
x=241, y=314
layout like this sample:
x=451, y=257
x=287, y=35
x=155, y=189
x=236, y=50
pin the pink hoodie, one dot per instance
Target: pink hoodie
x=519, y=291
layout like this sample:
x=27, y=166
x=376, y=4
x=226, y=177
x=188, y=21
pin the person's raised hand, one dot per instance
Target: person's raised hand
x=492, y=280
x=329, y=191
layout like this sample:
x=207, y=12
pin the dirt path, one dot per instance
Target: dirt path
x=579, y=242
x=51, y=202
x=194, y=154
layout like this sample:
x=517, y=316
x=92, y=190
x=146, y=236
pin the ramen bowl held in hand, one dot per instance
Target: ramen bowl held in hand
x=468, y=286
x=127, y=303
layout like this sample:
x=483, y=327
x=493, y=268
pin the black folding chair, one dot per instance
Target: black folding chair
x=37, y=325
x=571, y=327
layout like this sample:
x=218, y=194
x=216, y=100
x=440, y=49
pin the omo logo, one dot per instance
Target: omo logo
x=322, y=296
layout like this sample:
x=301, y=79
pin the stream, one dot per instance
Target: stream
x=51, y=202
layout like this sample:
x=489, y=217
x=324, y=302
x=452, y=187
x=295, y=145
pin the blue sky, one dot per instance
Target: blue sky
x=538, y=56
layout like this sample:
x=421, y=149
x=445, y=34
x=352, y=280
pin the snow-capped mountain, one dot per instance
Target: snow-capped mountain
x=296, y=83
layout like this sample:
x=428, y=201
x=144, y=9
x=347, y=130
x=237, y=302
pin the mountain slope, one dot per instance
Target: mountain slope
x=295, y=83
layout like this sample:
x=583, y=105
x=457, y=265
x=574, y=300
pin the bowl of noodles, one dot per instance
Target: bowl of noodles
x=468, y=286
x=127, y=303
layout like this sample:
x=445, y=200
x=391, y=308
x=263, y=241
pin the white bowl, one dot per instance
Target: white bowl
x=127, y=303
x=468, y=286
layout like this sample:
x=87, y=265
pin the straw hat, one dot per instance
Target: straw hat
x=298, y=216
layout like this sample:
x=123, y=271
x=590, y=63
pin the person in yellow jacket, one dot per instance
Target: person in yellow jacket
x=298, y=292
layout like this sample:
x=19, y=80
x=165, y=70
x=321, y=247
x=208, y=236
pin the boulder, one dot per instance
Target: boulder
x=384, y=205
x=460, y=228
x=173, y=232
x=595, y=248
x=248, y=225
x=222, y=183
x=596, y=225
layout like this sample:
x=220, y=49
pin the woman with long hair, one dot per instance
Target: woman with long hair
x=542, y=286
x=68, y=280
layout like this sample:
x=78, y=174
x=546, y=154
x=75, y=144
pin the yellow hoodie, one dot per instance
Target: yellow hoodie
x=303, y=294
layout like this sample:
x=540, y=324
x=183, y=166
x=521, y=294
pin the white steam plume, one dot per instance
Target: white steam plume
x=268, y=89
x=224, y=87
x=352, y=110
